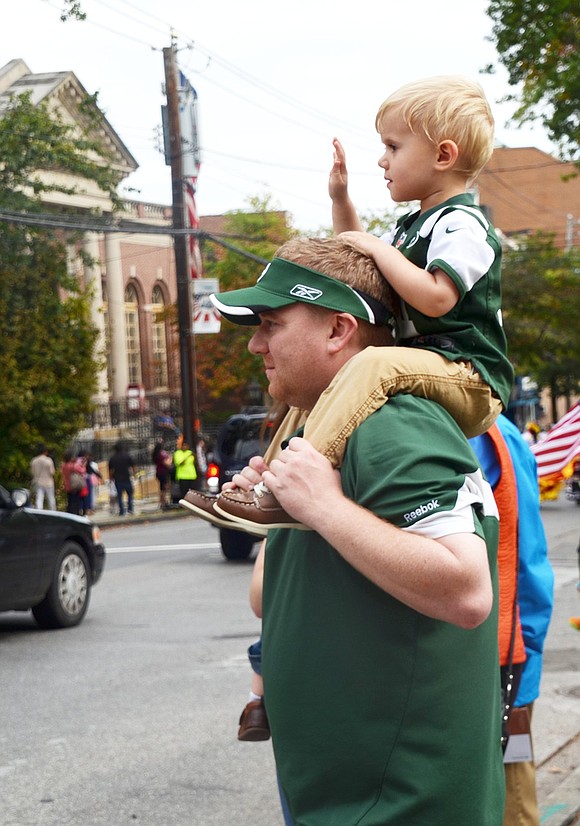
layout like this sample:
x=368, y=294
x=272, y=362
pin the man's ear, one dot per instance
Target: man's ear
x=341, y=331
x=447, y=154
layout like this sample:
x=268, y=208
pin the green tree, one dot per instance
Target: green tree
x=48, y=361
x=541, y=307
x=225, y=368
x=72, y=10
x=539, y=45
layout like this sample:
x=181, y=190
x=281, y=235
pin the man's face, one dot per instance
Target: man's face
x=292, y=342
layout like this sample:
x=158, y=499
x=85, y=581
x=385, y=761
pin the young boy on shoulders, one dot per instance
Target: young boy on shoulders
x=442, y=261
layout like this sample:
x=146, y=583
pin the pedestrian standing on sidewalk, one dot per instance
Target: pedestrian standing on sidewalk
x=121, y=470
x=185, y=472
x=43, y=470
x=73, y=474
x=162, y=461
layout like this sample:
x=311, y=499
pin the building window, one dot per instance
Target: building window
x=159, y=339
x=132, y=335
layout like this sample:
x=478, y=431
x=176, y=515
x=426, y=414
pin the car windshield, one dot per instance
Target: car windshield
x=242, y=439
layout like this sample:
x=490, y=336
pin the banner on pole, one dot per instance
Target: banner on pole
x=191, y=162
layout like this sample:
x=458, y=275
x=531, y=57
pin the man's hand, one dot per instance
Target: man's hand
x=249, y=477
x=304, y=482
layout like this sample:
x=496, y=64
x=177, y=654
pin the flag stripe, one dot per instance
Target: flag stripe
x=561, y=446
x=190, y=185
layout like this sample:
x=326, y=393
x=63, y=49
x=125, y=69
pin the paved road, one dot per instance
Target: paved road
x=132, y=717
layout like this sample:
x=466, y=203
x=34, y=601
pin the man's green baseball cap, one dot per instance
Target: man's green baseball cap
x=283, y=283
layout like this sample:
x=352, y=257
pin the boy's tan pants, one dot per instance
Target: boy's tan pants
x=366, y=381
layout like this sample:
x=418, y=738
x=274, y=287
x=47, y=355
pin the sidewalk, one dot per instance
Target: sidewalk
x=146, y=510
x=556, y=722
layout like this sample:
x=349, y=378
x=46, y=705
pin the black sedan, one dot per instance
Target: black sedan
x=49, y=561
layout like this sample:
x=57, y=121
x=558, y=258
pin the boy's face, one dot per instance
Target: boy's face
x=408, y=160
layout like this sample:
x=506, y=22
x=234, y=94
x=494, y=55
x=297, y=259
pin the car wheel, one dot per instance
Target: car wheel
x=68, y=597
x=235, y=544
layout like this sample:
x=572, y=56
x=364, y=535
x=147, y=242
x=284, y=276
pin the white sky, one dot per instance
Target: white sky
x=275, y=82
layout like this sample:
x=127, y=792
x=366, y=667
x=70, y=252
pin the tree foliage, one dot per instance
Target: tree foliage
x=48, y=361
x=539, y=45
x=225, y=368
x=72, y=10
x=541, y=307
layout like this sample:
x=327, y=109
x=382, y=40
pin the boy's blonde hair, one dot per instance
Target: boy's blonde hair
x=448, y=107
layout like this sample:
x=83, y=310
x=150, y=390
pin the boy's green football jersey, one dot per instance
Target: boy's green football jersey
x=456, y=237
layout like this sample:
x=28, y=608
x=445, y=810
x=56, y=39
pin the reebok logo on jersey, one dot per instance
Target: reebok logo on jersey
x=422, y=510
x=310, y=293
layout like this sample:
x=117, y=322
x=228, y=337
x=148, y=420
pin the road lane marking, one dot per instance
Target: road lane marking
x=133, y=549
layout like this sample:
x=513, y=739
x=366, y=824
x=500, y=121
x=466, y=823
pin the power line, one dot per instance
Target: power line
x=236, y=71
x=47, y=221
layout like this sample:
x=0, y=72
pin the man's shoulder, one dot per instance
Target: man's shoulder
x=405, y=411
x=411, y=425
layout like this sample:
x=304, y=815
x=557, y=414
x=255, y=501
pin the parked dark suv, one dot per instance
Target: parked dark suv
x=238, y=440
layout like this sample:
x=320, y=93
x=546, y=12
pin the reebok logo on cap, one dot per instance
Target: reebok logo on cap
x=309, y=293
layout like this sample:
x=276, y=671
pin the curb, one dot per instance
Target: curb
x=106, y=520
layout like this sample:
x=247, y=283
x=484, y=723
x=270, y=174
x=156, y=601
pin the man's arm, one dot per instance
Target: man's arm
x=447, y=579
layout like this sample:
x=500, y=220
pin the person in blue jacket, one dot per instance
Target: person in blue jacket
x=535, y=599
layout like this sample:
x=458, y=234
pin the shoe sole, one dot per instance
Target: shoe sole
x=298, y=526
x=221, y=521
x=254, y=735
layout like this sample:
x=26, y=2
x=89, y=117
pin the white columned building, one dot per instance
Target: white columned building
x=116, y=307
x=93, y=280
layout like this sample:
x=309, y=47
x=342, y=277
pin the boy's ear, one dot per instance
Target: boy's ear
x=447, y=154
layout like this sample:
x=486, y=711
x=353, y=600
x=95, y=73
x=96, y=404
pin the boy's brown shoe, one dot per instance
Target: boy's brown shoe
x=254, y=723
x=202, y=505
x=256, y=508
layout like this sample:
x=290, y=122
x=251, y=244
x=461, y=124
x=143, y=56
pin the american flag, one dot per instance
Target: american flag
x=560, y=447
x=191, y=163
x=190, y=185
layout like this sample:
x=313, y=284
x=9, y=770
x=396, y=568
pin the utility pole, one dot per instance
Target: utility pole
x=184, y=301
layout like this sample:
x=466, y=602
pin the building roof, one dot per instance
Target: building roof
x=65, y=90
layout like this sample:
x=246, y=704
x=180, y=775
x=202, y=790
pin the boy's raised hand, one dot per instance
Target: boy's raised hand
x=338, y=178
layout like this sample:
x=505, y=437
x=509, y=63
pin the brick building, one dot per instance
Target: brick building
x=527, y=190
